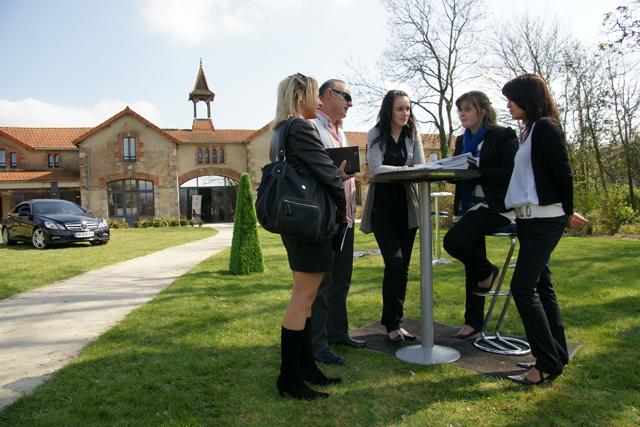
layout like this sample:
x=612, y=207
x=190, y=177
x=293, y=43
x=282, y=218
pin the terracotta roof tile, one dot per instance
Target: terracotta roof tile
x=45, y=138
x=59, y=175
x=220, y=135
x=109, y=121
x=202, y=124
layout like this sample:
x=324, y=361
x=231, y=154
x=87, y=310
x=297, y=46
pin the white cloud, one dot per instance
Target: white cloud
x=194, y=21
x=31, y=112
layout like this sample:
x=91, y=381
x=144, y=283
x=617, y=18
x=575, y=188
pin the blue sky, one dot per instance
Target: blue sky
x=77, y=62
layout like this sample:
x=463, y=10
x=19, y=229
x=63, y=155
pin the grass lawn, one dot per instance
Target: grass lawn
x=25, y=268
x=206, y=352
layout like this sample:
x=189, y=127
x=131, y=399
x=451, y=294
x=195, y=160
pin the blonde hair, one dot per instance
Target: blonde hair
x=292, y=91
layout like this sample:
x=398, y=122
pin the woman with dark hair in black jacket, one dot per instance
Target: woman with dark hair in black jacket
x=479, y=203
x=541, y=191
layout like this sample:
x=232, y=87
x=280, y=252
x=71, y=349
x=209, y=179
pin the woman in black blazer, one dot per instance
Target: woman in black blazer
x=541, y=191
x=479, y=204
x=298, y=101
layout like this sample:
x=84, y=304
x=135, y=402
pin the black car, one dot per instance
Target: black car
x=45, y=222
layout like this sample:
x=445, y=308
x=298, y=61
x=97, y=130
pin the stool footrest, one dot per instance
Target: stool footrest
x=492, y=293
x=502, y=345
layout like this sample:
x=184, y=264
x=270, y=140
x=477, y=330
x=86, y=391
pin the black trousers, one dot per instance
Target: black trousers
x=533, y=292
x=395, y=241
x=466, y=242
x=329, y=321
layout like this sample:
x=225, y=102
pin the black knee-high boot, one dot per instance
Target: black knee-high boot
x=309, y=371
x=289, y=380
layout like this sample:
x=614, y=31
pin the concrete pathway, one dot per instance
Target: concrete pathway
x=41, y=331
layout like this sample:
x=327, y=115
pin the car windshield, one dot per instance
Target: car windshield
x=50, y=207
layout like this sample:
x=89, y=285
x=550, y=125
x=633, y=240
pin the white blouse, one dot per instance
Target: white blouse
x=522, y=186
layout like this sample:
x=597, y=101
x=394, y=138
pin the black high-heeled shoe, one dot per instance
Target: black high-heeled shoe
x=406, y=335
x=526, y=365
x=396, y=338
x=309, y=371
x=522, y=379
x=479, y=290
x=298, y=389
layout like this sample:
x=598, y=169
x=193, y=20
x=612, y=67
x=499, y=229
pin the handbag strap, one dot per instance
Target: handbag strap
x=282, y=155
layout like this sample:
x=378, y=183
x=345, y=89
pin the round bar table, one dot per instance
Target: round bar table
x=426, y=353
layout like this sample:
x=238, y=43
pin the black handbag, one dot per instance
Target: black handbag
x=292, y=204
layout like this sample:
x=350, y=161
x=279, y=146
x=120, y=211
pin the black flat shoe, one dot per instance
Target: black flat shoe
x=522, y=379
x=397, y=338
x=465, y=336
x=526, y=365
x=479, y=290
x=407, y=336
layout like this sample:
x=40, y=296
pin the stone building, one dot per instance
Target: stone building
x=128, y=168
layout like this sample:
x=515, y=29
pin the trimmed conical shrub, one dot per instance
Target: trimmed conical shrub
x=246, y=253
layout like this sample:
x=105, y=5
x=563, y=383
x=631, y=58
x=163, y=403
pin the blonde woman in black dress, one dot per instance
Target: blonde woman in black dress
x=298, y=101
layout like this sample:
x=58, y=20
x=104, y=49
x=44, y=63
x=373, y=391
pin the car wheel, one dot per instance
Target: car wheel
x=39, y=239
x=5, y=237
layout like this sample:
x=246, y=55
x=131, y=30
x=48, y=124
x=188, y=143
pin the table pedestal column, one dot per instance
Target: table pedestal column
x=426, y=353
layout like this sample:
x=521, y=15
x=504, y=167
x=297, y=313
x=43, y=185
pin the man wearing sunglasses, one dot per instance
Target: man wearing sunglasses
x=329, y=321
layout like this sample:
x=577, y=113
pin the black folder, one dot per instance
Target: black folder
x=350, y=154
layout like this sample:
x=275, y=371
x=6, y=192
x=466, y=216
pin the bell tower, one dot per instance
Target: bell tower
x=199, y=93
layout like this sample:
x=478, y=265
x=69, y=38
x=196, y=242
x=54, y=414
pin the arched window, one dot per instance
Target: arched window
x=206, y=155
x=53, y=161
x=214, y=155
x=199, y=155
x=221, y=155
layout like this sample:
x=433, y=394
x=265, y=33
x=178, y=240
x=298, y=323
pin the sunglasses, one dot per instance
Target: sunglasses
x=345, y=95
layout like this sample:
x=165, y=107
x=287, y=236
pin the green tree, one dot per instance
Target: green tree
x=246, y=253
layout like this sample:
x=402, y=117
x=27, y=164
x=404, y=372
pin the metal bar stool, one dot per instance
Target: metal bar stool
x=498, y=343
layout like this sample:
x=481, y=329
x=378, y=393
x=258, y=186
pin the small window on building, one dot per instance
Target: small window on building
x=199, y=155
x=129, y=149
x=53, y=161
x=206, y=155
x=3, y=159
x=222, y=155
x=214, y=155
x=13, y=159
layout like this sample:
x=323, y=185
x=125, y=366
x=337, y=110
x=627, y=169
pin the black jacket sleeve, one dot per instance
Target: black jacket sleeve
x=496, y=169
x=306, y=153
x=550, y=162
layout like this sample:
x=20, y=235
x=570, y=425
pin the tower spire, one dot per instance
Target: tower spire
x=201, y=92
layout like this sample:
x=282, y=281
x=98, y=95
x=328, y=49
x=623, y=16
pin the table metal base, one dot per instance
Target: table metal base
x=427, y=355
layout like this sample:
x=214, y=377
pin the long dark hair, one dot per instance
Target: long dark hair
x=385, y=114
x=532, y=94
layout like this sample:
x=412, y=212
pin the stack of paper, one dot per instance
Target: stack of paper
x=460, y=161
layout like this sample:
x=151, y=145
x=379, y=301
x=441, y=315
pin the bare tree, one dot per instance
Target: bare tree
x=590, y=95
x=432, y=47
x=529, y=45
x=626, y=104
x=623, y=25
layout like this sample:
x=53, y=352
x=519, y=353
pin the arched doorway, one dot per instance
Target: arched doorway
x=217, y=198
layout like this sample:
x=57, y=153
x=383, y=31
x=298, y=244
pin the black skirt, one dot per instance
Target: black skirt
x=308, y=257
